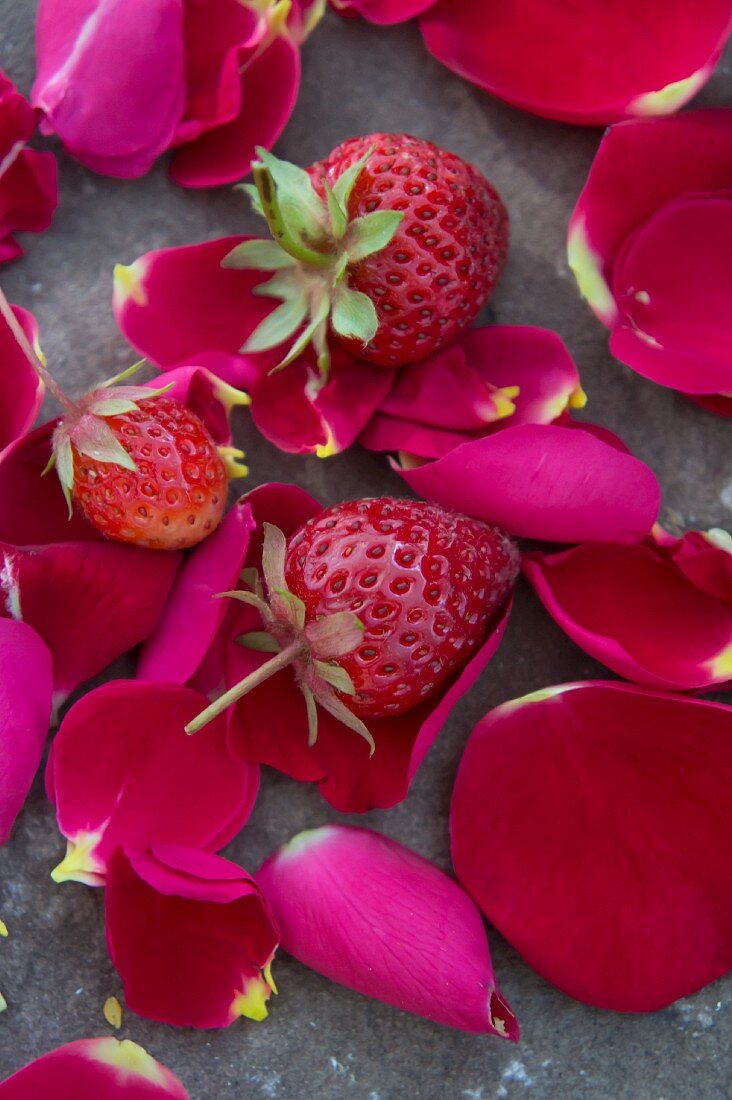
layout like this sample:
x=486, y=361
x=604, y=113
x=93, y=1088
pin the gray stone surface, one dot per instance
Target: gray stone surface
x=322, y=1040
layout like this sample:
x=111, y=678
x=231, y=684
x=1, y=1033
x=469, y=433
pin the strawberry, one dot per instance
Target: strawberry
x=376, y=603
x=390, y=244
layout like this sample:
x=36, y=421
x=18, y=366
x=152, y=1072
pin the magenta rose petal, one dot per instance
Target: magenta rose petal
x=25, y=712
x=193, y=614
x=28, y=179
x=369, y=913
x=545, y=482
x=628, y=905
x=21, y=389
x=79, y=89
x=191, y=936
x=123, y=771
x=610, y=63
x=105, y=1069
x=638, y=613
x=209, y=396
x=89, y=601
x=383, y=11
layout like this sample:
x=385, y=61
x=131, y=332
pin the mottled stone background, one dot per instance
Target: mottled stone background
x=321, y=1040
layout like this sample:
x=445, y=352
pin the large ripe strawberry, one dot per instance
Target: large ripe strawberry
x=375, y=604
x=390, y=244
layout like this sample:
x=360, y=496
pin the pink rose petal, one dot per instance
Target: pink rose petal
x=638, y=613
x=21, y=390
x=545, y=482
x=606, y=61
x=28, y=179
x=94, y=1069
x=25, y=713
x=191, y=936
x=89, y=601
x=374, y=916
x=80, y=84
x=590, y=824
x=123, y=771
x=383, y=11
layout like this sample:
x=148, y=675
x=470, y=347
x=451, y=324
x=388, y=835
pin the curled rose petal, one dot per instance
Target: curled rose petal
x=25, y=712
x=28, y=179
x=636, y=611
x=80, y=84
x=270, y=724
x=123, y=771
x=191, y=936
x=383, y=11
x=105, y=1069
x=376, y=917
x=607, y=61
x=545, y=481
x=21, y=389
x=89, y=601
x=622, y=902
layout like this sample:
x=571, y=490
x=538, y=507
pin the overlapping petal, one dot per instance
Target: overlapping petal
x=191, y=936
x=25, y=712
x=606, y=62
x=28, y=179
x=105, y=1069
x=122, y=771
x=375, y=916
x=209, y=396
x=270, y=725
x=590, y=824
x=627, y=241
x=636, y=610
x=89, y=601
x=383, y=11
x=21, y=389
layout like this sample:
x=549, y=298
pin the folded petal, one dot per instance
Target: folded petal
x=193, y=614
x=123, y=771
x=545, y=482
x=191, y=936
x=21, y=390
x=25, y=713
x=638, y=613
x=374, y=916
x=90, y=602
x=383, y=11
x=590, y=824
x=105, y=1069
x=606, y=62
x=80, y=83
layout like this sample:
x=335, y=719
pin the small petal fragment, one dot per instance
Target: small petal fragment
x=105, y=1069
x=21, y=390
x=28, y=179
x=383, y=11
x=622, y=902
x=191, y=936
x=378, y=918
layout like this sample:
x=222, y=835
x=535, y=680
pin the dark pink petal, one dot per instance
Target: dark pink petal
x=721, y=404
x=28, y=179
x=640, y=167
x=269, y=83
x=80, y=83
x=383, y=11
x=21, y=390
x=545, y=482
x=207, y=395
x=123, y=771
x=376, y=917
x=606, y=62
x=299, y=415
x=94, y=1069
x=193, y=614
x=89, y=601
x=705, y=557
x=638, y=613
x=25, y=712
x=154, y=293
x=191, y=936
x=674, y=325
x=601, y=849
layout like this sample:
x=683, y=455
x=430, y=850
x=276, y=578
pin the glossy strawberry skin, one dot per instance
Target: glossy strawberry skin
x=424, y=582
x=177, y=495
x=446, y=256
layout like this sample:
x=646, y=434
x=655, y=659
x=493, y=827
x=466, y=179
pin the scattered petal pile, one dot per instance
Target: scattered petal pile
x=28, y=179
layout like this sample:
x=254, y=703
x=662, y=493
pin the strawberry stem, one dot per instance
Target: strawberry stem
x=32, y=356
x=270, y=668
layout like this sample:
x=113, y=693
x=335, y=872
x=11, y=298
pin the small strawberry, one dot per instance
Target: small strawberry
x=375, y=604
x=390, y=244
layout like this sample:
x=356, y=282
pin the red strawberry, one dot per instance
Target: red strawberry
x=390, y=243
x=376, y=603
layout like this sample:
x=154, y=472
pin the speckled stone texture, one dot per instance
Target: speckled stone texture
x=321, y=1040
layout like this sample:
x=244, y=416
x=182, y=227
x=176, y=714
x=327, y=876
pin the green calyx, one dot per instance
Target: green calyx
x=314, y=244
